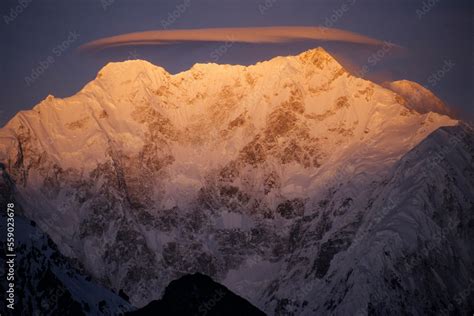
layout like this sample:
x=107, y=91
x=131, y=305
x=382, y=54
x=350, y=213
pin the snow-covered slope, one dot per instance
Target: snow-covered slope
x=47, y=283
x=257, y=176
x=418, y=97
x=409, y=253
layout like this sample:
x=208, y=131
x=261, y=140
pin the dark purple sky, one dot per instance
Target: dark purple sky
x=436, y=35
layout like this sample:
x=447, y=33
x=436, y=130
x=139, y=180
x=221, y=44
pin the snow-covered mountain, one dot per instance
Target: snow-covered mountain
x=411, y=252
x=298, y=186
x=46, y=282
x=418, y=97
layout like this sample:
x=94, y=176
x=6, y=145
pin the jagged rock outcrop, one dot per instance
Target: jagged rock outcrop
x=46, y=282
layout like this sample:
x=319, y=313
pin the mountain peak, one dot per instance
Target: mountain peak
x=317, y=56
x=129, y=66
x=314, y=52
x=418, y=97
x=223, y=170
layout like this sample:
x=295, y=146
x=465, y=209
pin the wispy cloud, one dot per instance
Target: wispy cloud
x=274, y=34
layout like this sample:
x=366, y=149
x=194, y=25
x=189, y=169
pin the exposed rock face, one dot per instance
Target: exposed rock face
x=269, y=178
x=402, y=252
x=46, y=282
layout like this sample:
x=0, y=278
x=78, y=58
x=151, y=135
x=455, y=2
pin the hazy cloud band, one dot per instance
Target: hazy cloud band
x=272, y=34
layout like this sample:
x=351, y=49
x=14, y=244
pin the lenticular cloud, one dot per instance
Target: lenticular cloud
x=278, y=34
